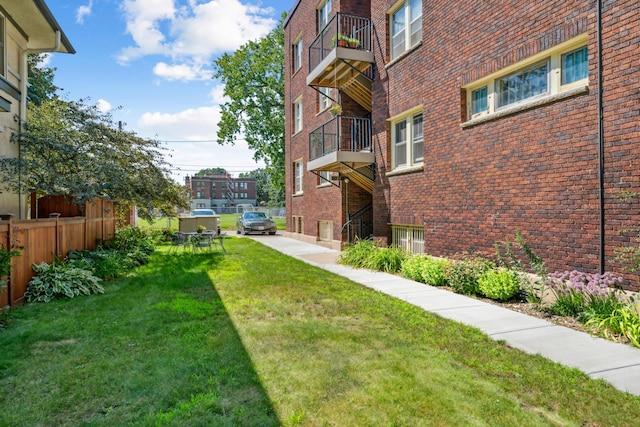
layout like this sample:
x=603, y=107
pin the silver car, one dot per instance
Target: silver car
x=255, y=222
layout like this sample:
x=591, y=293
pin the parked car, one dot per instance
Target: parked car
x=255, y=222
x=202, y=212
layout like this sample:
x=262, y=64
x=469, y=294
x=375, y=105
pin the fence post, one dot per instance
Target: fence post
x=56, y=215
x=7, y=246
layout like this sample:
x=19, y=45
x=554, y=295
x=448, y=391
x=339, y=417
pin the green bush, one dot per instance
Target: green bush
x=499, y=284
x=622, y=322
x=356, y=254
x=463, y=274
x=434, y=271
x=387, y=259
x=367, y=254
x=60, y=280
x=412, y=268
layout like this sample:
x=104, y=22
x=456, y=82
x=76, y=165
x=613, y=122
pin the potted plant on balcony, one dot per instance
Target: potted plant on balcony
x=343, y=41
x=335, y=110
x=354, y=43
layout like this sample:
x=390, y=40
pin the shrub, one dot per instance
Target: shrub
x=387, y=259
x=356, y=254
x=463, y=274
x=412, y=268
x=433, y=271
x=499, y=284
x=623, y=321
x=60, y=280
x=584, y=295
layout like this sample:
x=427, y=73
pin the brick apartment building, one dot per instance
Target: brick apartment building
x=462, y=122
x=220, y=192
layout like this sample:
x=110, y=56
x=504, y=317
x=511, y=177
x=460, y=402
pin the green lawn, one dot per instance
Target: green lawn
x=227, y=222
x=256, y=338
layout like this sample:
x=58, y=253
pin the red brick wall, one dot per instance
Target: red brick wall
x=535, y=171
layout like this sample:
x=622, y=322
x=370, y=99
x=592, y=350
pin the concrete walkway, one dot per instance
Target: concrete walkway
x=618, y=364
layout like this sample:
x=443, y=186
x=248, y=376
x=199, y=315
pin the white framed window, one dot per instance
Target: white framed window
x=408, y=237
x=324, y=178
x=297, y=177
x=297, y=115
x=407, y=145
x=521, y=85
x=324, y=13
x=405, y=26
x=324, y=98
x=297, y=54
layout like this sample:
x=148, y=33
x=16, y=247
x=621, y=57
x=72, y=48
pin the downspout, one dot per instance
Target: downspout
x=600, y=139
x=24, y=88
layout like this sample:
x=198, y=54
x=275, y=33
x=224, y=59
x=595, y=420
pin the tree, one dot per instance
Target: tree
x=253, y=78
x=41, y=85
x=212, y=171
x=266, y=193
x=71, y=148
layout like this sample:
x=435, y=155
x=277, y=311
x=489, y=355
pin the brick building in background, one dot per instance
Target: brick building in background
x=220, y=192
x=462, y=122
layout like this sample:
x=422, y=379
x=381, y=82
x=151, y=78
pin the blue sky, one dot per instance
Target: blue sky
x=149, y=62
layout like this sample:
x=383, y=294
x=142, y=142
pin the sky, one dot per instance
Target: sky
x=150, y=64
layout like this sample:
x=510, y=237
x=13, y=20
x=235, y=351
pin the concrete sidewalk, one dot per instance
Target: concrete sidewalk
x=618, y=364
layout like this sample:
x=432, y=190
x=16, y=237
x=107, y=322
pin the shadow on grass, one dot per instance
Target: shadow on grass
x=158, y=348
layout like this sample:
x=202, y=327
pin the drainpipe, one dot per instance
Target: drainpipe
x=600, y=138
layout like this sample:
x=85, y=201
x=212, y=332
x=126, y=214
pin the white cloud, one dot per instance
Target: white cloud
x=83, y=11
x=183, y=72
x=103, y=106
x=191, y=137
x=217, y=95
x=190, y=34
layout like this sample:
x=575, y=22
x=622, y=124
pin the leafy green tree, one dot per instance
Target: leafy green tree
x=253, y=78
x=266, y=193
x=211, y=171
x=71, y=148
x=41, y=85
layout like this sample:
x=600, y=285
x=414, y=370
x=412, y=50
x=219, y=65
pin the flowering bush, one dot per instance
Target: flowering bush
x=584, y=295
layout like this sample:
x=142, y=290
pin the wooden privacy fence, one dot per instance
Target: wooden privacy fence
x=42, y=239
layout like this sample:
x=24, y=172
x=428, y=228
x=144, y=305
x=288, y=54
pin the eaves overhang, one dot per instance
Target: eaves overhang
x=37, y=24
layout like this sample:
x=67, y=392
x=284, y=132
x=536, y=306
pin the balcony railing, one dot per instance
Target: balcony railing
x=340, y=134
x=353, y=31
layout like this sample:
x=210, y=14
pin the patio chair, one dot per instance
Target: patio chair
x=178, y=240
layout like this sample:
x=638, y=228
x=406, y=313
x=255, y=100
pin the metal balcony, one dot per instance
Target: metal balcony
x=343, y=144
x=340, y=56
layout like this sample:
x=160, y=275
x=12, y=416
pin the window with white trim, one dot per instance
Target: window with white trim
x=297, y=177
x=407, y=141
x=546, y=74
x=324, y=13
x=408, y=237
x=324, y=178
x=297, y=54
x=405, y=27
x=324, y=98
x=297, y=115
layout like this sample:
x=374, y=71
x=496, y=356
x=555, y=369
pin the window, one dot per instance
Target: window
x=324, y=13
x=324, y=98
x=407, y=141
x=297, y=54
x=405, y=26
x=297, y=181
x=523, y=84
x=575, y=65
x=564, y=68
x=297, y=115
x=324, y=178
x=408, y=237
